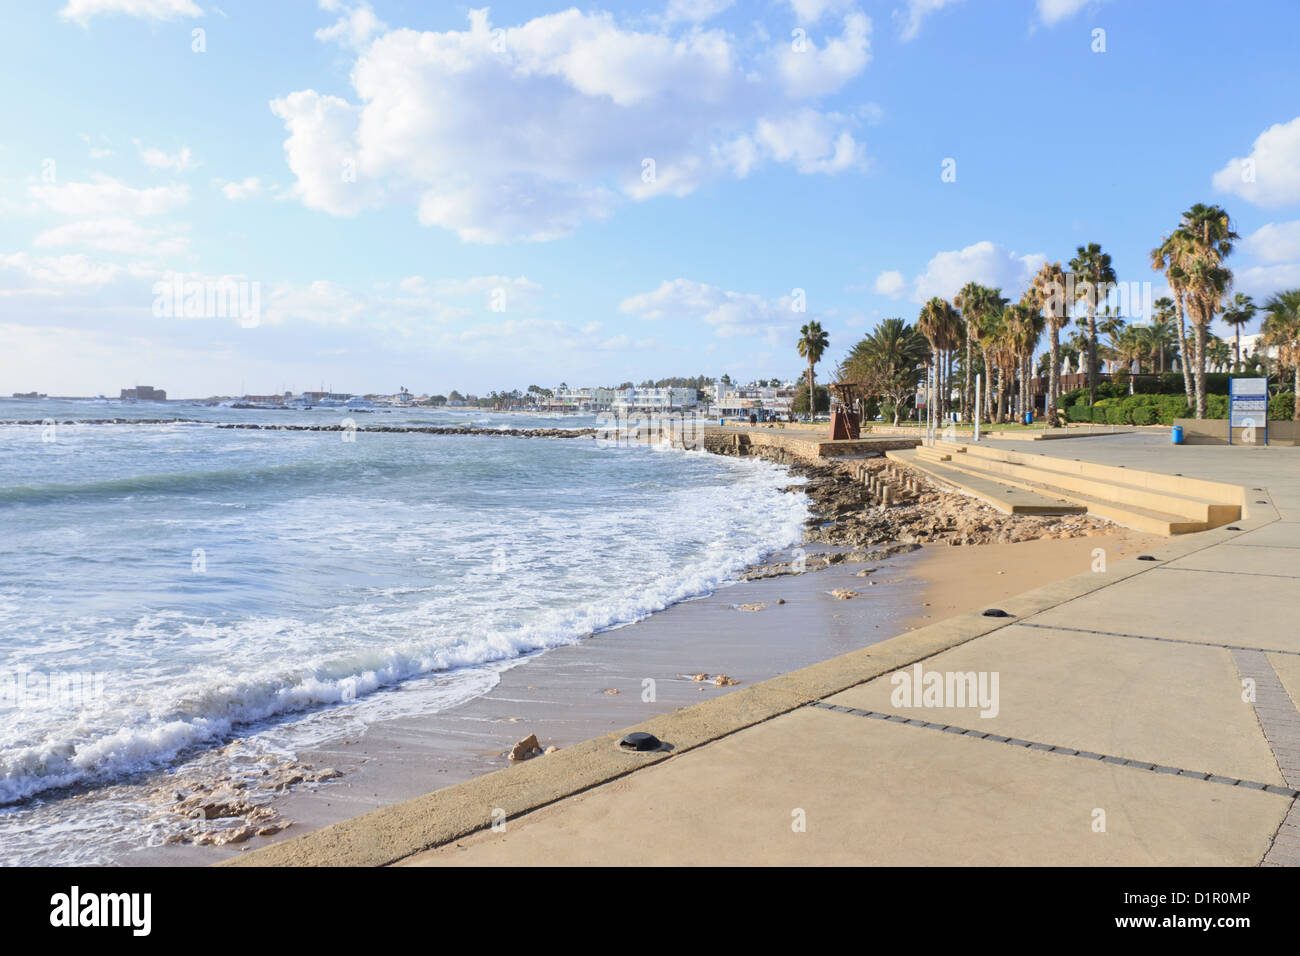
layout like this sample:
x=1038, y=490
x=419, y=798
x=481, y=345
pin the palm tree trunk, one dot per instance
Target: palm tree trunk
x=1092, y=353
x=812, y=394
x=1237, y=364
x=1053, y=374
x=1295, y=390
x=968, y=388
x=1201, y=402
x=1182, y=349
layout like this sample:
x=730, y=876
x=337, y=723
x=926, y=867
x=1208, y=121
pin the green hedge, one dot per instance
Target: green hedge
x=1163, y=409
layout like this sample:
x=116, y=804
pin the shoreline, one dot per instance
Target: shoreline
x=772, y=623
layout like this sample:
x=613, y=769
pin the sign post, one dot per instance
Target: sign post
x=1248, y=405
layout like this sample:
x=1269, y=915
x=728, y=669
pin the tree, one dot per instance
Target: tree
x=1093, y=268
x=1165, y=311
x=1049, y=291
x=941, y=326
x=1239, y=313
x=799, y=405
x=813, y=342
x=887, y=363
x=1168, y=257
x=1282, y=329
x=1206, y=237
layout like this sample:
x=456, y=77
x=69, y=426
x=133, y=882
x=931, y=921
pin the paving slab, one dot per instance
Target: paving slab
x=1177, y=705
x=1279, y=534
x=879, y=793
x=1256, y=559
x=1241, y=609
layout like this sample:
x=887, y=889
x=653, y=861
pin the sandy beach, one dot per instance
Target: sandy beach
x=749, y=632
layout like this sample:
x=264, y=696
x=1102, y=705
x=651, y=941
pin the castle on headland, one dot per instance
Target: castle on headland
x=144, y=393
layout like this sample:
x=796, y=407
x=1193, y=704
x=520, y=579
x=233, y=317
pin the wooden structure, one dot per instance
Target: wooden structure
x=848, y=401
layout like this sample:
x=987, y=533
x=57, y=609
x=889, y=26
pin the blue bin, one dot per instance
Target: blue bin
x=1176, y=435
x=1029, y=418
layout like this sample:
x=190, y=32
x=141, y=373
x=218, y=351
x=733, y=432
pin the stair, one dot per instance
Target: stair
x=1146, y=501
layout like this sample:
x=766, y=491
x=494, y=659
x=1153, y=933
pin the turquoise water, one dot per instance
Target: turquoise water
x=166, y=588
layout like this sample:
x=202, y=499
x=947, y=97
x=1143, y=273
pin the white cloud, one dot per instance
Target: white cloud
x=890, y=283
x=528, y=132
x=910, y=20
x=80, y=11
x=695, y=11
x=160, y=159
x=1275, y=242
x=983, y=262
x=1263, y=281
x=816, y=72
x=75, y=270
x=730, y=313
x=240, y=190
x=355, y=25
x=810, y=141
x=811, y=11
x=110, y=198
x=1054, y=11
x=1273, y=165
x=114, y=235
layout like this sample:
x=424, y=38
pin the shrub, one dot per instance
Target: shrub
x=1144, y=415
x=1281, y=407
x=1079, y=413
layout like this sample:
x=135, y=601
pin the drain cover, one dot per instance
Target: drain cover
x=1233, y=527
x=996, y=612
x=1145, y=557
x=640, y=741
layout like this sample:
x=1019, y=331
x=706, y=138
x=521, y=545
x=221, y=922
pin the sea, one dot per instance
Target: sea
x=180, y=597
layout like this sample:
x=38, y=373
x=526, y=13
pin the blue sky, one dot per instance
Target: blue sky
x=444, y=196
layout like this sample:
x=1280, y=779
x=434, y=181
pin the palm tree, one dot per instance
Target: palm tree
x=1049, y=291
x=1282, y=329
x=1024, y=330
x=813, y=342
x=887, y=362
x=1165, y=311
x=1207, y=237
x=1240, y=313
x=973, y=300
x=941, y=326
x=1094, y=268
x=1168, y=258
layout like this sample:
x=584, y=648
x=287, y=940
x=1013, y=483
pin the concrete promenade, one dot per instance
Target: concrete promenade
x=1144, y=714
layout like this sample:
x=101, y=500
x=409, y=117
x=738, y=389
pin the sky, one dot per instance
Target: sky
x=444, y=196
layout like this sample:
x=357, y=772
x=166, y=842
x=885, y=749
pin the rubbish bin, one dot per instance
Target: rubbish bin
x=1029, y=418
x=1176, y=435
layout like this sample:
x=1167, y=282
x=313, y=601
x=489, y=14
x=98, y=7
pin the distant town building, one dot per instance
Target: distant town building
x=144, y=393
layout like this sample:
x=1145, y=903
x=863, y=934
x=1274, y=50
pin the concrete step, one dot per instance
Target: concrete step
x=1103, y=500
x=1005, y=498
x=1179, y=485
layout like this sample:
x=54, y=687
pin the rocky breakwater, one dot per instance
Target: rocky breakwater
x=869, y=510
x=423, y=430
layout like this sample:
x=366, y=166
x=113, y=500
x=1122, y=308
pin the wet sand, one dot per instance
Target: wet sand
x=562, y=695
x=567, y=695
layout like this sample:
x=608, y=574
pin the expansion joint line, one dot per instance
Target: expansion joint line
x=1148, y=637
x=1063, y=751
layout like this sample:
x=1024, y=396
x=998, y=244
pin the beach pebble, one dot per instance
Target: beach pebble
x=843, y=594
x=528, y=747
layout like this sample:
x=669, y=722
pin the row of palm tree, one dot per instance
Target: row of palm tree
x=1002, y=337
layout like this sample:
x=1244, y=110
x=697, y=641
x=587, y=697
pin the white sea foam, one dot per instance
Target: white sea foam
x=413, y=556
